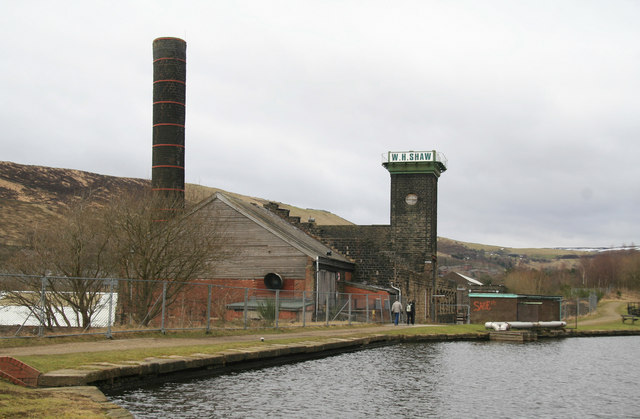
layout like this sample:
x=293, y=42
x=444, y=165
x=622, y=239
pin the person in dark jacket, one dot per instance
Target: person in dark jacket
x=411, y=312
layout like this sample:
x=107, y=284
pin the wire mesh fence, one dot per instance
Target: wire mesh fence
x=61, y=306
x=576, y=307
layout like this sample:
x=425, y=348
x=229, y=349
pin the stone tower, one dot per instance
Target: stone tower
x=414, y=216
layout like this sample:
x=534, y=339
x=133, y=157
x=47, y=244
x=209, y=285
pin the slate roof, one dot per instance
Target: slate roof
x=284, y=230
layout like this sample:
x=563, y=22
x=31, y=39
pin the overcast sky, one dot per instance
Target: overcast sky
x=534, y=103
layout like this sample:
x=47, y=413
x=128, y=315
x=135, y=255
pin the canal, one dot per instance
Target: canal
x=576, y=377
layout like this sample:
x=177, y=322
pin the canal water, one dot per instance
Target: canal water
x=556, y=378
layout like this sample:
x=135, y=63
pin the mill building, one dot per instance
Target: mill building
x=278, y=253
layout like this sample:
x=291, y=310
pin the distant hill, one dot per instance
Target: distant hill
x=35, y=194
x=480, y=260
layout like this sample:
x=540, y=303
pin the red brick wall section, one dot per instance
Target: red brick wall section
x=18, y=372
x=290, y=284
x=487, y=309
x=359, y=297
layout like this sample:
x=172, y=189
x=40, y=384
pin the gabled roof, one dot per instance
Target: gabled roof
x=284, y=230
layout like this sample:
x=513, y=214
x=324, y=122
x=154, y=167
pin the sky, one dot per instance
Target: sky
x=534, y=104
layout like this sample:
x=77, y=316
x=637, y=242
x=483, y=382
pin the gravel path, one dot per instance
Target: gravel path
x=607, y=313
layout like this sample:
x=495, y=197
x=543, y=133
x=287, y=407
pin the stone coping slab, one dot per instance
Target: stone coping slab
x=125, y=374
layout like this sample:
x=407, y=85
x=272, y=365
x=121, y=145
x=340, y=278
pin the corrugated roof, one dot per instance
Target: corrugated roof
x=469, y=279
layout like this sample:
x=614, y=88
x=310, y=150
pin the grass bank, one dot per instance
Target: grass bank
x=47, y=363
x=20, y=402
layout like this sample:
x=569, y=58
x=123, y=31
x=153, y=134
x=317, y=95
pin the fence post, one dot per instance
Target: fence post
x=277, y=307
x=111, y=281
x=209, y=291
x=42, y=303
x=367, y=307
x=164, y=305
x=349, y=309
x=246, y=302
x=577, y=310
x=560, y=309
x=388, y=305
x=326, y=310
x=304, y=310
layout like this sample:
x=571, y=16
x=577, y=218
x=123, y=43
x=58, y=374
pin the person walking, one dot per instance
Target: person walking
x=411, y=312
x=396, y=309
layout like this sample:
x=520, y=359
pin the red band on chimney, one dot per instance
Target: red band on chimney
x=170, y=58
x=169, y=101
x=167, y=165
x=169, y=81
x=168, y=123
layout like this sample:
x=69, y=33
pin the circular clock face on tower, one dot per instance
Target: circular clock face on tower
x=411, y=199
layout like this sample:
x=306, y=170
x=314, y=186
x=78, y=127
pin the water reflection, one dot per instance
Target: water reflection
x=588, y=377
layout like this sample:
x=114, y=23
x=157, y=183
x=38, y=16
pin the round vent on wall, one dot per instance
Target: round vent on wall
x=273, y=281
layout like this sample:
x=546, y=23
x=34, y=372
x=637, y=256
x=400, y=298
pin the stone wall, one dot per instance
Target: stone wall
x=413, y=226
x=372, y=249
x=368, y=246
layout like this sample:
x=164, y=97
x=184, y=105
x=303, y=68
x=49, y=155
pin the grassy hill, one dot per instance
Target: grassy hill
x=30, y=195
x=480, y=260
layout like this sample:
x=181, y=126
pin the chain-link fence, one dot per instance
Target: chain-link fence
x=573, y=307
x=60, y=306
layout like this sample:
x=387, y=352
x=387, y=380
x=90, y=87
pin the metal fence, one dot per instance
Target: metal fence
x=573, y=307
x=61, y=306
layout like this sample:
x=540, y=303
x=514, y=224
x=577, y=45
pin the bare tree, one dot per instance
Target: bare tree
x=631, y=269
x=123, y=238
x=73, y=253
x=161, y=257
x=526, y=281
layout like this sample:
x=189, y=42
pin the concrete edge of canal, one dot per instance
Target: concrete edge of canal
x=122, y=375
x=91, y=380
x=117, y=376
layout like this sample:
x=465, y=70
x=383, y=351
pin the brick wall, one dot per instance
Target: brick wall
x=528, y=309
x=493, y=309
x=18, y=372
x=549, y=310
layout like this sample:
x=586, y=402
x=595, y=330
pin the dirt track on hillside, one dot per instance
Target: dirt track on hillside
x=607, y=313
x=123, y=343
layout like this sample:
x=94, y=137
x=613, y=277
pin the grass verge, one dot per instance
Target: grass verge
x=20, y=402
x=617, y=325
x=46, y=363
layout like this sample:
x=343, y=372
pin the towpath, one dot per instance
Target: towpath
x=123, y=343
x=607, y=313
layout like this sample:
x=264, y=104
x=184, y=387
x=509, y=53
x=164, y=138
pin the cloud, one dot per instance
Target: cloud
x=534, y=104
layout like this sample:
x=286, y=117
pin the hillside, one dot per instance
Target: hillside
x=480, y=260
x=30, y=195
